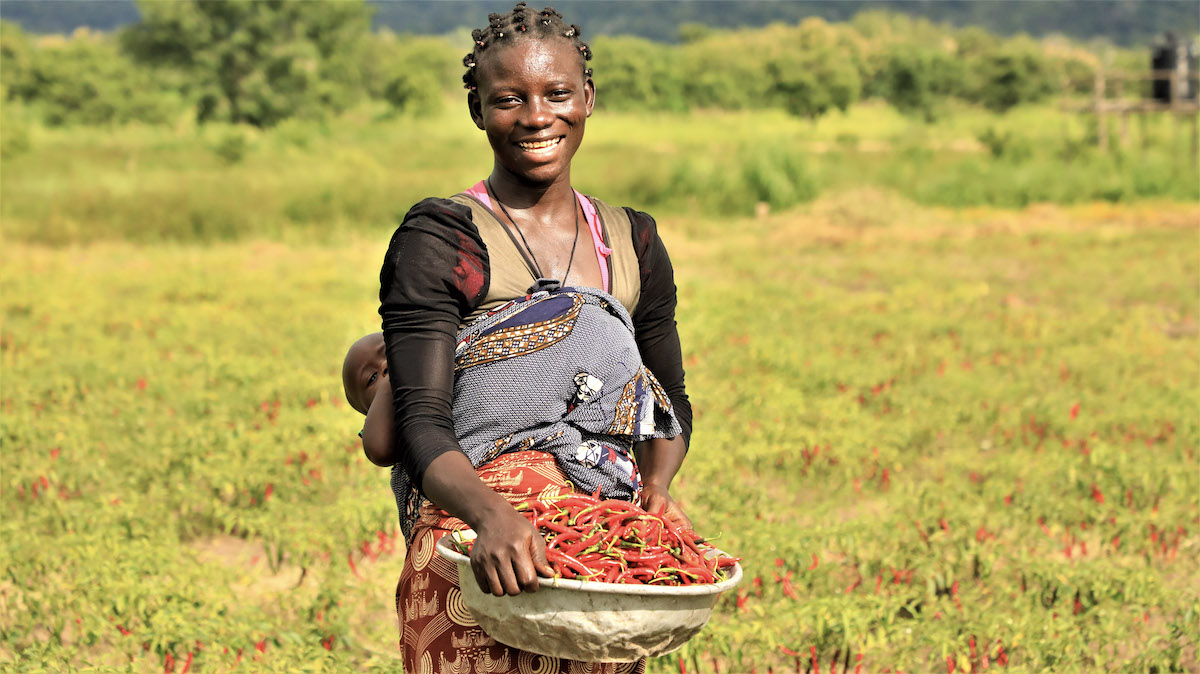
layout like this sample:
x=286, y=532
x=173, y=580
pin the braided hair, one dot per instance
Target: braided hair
x=520, y=23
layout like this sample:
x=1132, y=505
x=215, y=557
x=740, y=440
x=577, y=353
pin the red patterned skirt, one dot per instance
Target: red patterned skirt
x=437, y=631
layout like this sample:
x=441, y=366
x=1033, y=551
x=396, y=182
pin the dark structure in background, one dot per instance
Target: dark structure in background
x=1173, y=84
x=1168, y=57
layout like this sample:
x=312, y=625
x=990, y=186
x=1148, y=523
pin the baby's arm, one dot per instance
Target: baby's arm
x=378, y=434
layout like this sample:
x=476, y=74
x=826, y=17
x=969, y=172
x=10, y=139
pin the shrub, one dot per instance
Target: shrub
x=414, y=93
x=85, y=80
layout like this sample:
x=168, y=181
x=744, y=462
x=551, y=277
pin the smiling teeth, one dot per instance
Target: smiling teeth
x=541, y=144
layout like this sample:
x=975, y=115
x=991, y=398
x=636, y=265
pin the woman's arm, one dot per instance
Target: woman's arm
x=659, y=460
x=657, y=338
x=654, y=326
x=434, y=273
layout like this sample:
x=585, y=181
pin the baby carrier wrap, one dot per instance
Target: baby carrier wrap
x=557, y=371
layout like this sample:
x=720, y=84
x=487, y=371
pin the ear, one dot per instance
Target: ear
x=475, y=107
x=589, y=95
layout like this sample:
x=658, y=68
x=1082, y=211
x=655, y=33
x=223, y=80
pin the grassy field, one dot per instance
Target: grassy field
x=958, y=438
x=311, y=181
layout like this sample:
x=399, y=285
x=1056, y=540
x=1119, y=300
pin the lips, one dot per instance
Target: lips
x=540, y=145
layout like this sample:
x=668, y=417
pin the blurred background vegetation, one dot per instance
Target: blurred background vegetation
x=207, y=120
x=906, y=356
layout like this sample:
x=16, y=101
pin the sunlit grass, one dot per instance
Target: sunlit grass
x=309, y=179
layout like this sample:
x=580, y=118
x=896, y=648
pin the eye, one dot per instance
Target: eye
x=372, y=378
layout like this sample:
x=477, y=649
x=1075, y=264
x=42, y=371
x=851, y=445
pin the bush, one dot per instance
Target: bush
x=14, y=138
x=87, y=81
x=777, y=177
x=1014, y=74
x=433, y=62
x=636, y=74
x=413, y=92
x=916, y=79
x=232, y=147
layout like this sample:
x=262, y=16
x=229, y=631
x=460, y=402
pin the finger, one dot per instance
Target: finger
x=675, y=514
x=481, y=577
x=508, y=580
x=525, y=573
x=540, y=562
x=494, y=585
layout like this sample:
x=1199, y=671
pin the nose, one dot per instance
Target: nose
x=538, y=114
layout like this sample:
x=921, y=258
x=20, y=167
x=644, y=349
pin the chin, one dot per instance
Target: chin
x=541, y=172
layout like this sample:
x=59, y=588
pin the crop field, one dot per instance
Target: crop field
x=941, y=440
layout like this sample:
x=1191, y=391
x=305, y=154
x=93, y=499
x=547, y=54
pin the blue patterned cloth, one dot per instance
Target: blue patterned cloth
x=557, y=371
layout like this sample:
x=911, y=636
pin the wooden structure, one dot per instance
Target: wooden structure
x=1182, y=102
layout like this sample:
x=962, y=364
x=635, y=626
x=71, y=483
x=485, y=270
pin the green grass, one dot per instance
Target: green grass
x=946, y=404
x=307, y=181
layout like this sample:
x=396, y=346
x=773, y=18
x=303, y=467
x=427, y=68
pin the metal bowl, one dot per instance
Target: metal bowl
x=589, y=620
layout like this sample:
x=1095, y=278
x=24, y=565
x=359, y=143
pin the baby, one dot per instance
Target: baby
x=365, y=381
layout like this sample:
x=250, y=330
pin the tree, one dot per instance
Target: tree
x=257, y=61
x=16, y=55
x=636, y=74
x=413, y=92
x=915, y=78
x=83, y=80
x=1015, y=73
x=817, y=73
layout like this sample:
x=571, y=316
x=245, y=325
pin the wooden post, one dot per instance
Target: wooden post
x=1123, y=110
x=1179, y=77
x=1179, y=90
x=1195, y=139
x=1101, y=122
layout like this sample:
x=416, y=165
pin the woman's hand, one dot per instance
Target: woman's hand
x=659, y=460
x=655, y=497
x=508, y=554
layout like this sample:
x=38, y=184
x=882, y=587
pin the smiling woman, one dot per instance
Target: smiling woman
x=496, y=303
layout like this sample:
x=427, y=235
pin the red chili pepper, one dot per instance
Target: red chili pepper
x=615, y=541
x=555, y=527
x=568, y=562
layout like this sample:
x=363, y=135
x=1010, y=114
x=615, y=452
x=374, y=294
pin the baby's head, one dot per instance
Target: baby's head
x=364, y=370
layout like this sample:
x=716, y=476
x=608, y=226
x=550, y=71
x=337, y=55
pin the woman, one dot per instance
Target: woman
x=455, y=265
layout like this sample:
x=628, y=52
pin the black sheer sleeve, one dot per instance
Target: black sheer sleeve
x=654, y=318
x=435, y=272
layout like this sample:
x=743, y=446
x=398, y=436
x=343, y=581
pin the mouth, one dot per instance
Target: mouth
x=540, y=146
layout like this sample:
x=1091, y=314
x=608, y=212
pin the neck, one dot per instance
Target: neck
x=520, y=194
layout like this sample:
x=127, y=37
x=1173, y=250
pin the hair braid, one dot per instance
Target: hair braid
x=521, y=23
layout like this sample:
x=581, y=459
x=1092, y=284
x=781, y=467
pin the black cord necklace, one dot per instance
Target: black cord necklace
x=537, y=268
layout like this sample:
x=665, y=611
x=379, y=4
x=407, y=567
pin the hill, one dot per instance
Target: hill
x=1124, y=22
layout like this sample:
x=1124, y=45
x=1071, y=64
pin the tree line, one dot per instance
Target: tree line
x=1122, y=22
x=259, y=63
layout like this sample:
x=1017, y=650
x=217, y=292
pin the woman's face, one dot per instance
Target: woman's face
x=533, y=101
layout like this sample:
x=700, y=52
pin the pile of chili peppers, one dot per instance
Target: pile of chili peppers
x=615, y=541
